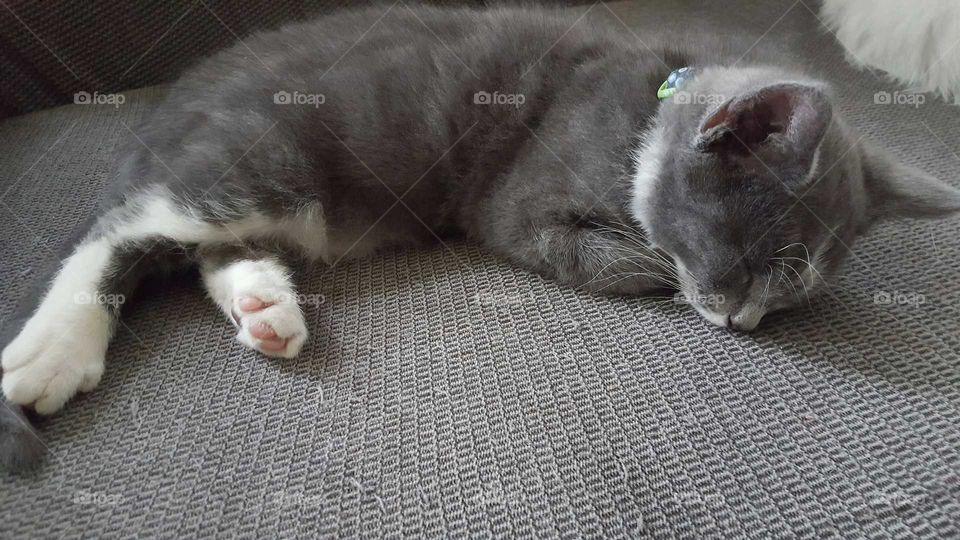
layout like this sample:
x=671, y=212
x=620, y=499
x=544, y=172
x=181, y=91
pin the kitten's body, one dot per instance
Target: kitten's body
x=401, y=152
x=399, y=120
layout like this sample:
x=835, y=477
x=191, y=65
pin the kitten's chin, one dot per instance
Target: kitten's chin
x=746, y=319
x=714, y=318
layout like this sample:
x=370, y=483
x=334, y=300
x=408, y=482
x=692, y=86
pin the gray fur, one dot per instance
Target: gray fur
x=757, y=187
x=548, y=184
x=540, y=183
x=21, y=449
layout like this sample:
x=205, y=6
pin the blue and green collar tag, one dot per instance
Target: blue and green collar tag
x=675, y=81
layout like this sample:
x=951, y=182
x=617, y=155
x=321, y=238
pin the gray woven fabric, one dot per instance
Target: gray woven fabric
x=447, y=394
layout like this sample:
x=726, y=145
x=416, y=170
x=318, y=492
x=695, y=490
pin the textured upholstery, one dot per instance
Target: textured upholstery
x=445, y=393
x=51, y=49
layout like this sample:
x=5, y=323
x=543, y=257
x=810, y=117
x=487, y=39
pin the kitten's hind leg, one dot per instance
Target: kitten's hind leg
x=255, y=291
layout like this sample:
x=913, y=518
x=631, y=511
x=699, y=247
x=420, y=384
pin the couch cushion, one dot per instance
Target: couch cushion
x=447, y=393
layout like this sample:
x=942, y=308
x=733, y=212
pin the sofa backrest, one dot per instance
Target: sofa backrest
x=52, y=49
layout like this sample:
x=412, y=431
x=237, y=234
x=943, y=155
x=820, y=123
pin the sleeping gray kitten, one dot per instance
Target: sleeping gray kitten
x=538, y=136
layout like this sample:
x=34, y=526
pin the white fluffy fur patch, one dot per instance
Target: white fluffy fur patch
x=915, y=42
x=61, y=348
x=649, y=160
x=268, y=281
x=159, y=216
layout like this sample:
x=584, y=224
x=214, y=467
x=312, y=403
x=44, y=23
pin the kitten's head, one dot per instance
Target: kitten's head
x=756, y=189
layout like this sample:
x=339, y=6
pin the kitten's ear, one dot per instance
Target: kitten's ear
x=897, y=190
x=781, y=125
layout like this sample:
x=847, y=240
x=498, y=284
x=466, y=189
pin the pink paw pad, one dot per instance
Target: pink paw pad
x=257, y=320
x=251, y=303
x=268, y=337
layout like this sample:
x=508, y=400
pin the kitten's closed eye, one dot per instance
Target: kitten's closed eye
x=765, y=192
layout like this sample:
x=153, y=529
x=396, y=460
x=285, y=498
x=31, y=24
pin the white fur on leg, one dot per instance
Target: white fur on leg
x=270, y=282
x=61, y=349
x=916, y=42
x=649, y=160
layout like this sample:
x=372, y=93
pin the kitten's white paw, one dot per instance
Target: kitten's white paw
x=54, y=356
x=260, y=298
x=271, y=323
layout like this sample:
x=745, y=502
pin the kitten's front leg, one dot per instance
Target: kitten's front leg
x=61, y=348
x=256, y=293
x=603, y=257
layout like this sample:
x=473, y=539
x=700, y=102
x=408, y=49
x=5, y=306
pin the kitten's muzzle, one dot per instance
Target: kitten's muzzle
x=740, y=307
x=733, y=299
x=745, y=317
